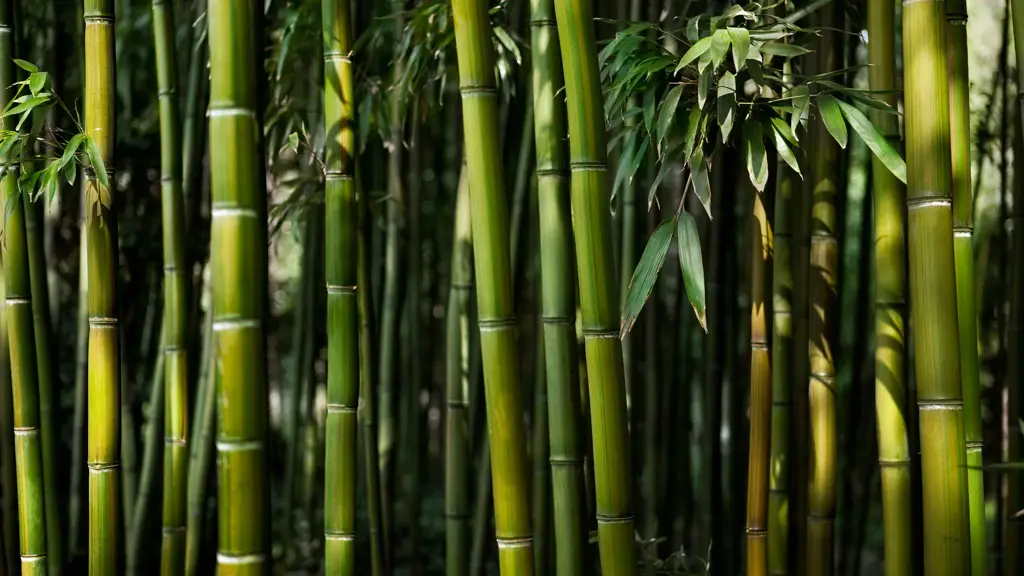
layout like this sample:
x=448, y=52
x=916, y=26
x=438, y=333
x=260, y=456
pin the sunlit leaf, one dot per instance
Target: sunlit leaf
x=801, y=96
x=720, y=42
x=701, y=182
x=878, y=145
x=833, y=118
x=726, y=101
x=646, y=273
x=692, y=265
x=69, y=151
x=98, y=167
x=740, y=46
x=782, y=49
x=667, y=114
x=36, y=82
x=782, y=146
x=26, y=66
x=696, y=51
x=757, y=157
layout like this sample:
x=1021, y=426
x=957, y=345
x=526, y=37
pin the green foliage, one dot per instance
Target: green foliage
x=728, y=84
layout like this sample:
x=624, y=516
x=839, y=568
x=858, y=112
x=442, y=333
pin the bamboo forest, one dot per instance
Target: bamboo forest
x=512, y=287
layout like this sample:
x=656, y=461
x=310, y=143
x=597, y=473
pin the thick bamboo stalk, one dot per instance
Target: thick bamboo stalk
x=177, y=277
x=104, y=386
x=8, y=479
x=492, y=263
x=933, y=291
x=598, y=288
x=237, y=269
x=457, y=452
x=558, y=294
x=890, y=305
x=825, y=189
x=342, y=266
x=759, y=451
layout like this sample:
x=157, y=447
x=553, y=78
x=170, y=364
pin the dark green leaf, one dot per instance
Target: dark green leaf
x=719, y=47
x=696, y=51
x=638, y=159
x=801, y=96
x=690, y=137
x=663, y=171
x=650, y=105
x=701, y=183
x=726, y=101
x=704, y=86
x=693, y=28
x=782, y=147
x=646, y=273
x=740, y=46
x=875, y=141
x=666, y=114
x=832, y=118
x=692, y=265
x=757, y=157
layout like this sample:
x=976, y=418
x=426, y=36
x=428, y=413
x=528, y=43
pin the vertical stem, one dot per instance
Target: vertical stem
x=237, y=266
x=8, y=480
x=200, y=452
x=933, y=291
x=154, y=447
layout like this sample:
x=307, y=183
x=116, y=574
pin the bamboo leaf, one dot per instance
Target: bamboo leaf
x=740, y=46
x=693, y=28
x=646, y=273
x=26, y=106
x=701, y=182
x=726, y=101
x=667, y=114
x=26, y=66
x=98, y=167
x=650, y=105
x=833, y=118
x=782, y=147
x=36, y=82
x=69, y=150
x=690, y=137
x=704, y=86
x=720, y=42
x=801, y=95
x=784, y=129
x=692, y=265
x=783, y=49
x=663, y=171
x=878, y=145
x=757, y=157
x=638, y=159
x=625, y=159
x=696, y=51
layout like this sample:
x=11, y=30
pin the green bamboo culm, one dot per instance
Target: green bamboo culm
x=176, y=280
x=237, y=281
x=890, y=303
x=104, y=376
x=492, y=263
x=933, y=290
x=342, y=299
x=28, y=454
x=558, y=294
x=9, y=539
x=457, y=377
x=590, y=195
x=758, y=475
x=1013, y=524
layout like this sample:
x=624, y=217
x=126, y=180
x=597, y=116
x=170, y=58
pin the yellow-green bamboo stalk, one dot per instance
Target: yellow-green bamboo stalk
x=492, y=262
x=237, y=281
x=933, y=290
x=890, y=305
x=104, y=380
x=176, y=281
x=342, y=299
x=598, y=286
x=9, y=478
x=558, y=294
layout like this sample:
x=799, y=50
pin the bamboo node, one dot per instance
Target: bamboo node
x=552, y=172
x=340, y=409
x=98, y=18
x=166, y=92
x=893, y=462
x=103, y=467
x=963, y=231
x=477, y=91
x=102, y=322
x=941, y=405
x=340, y=535
x=929, y=202
x=236, y=559
x=558, y=319
x=233, y=212
x=239, y=446
x=759, y=346
x=230, y=111
x=33, y=558
x=337, y=57
x=757, y=533
x=236, y=324
x=12, y=301
x=614, y=518
x=515, y=542
x=582, y=166
x=496, y=324
x=339, y=289
x=975, y=447
x=175, y=441
x=26, y=431
x=172, y=530
x=542, y=22
x=338, y=176
x=600, y=334
x=556, y=461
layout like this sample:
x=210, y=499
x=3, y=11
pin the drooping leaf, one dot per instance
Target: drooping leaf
x=98, y=167
x=833, y=118
x=26, y=66
x=690, y=137
x=663, y=171
x=650, y=105
x=696, y=51
x=646, y=273
x=878, y=145
x=638, y=159
x=704, y=86
x=726, y=101
x=782, y=147
x=701, y=182
x=27, y=105
x=720, y=42
x=740, y=46
x=782, y=49
x=36, y=82
x=757, y=157
x=779, y=124
x=69, y=151
x=625, y=159
x=692, y=265
x=666, y=114
x=693, y=28
x=801, y=96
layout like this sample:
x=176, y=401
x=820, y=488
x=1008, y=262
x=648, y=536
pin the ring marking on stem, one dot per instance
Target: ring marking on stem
x=236, y=559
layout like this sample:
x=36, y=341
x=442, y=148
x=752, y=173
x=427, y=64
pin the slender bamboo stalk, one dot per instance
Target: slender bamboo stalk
x=494, y=287
x=762, y=253
x=237, y=262
x=78, y=438
x=342, y=301
x=24, y=382
x=457, y=452
x=933, y=291
x=824, y=264
x=890, y=305
x=9, y=478
x=598, y=298
x=153, y=448
x=558, y=294
x=541, y=490
x=200, y=452
x=1011, y=520
x=174, y=348
x=104, y=386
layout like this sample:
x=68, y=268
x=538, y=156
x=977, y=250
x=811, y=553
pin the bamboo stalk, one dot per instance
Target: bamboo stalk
x=237, y=266
x=200, y=451
x=933, y=291
x=342, y=300
x=1011, y=520
x=558, y=293
x=890, y=305
x=8, y=481
x=598, y=298
x=153, y=448
x=493, y=267
x=104, y=386
x=758, y=467
x=457, y=452
x=78, y=438
x=174, y=348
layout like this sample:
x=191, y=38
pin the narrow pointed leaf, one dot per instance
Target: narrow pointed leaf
x=696, y=51
x=704, y=86
x=646, y=273
x=726, y=101
x=720, y=42
x=740, y=46
x=833, y=118
x=667, y=114
x=757, y=157
x=692, y=265
x=701, y=182
x=801, y=95
x=782, y=147
x=650, y=105
x=878, y=145
x=782, y=49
